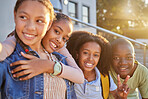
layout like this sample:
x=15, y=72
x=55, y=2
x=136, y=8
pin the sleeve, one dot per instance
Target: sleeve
x=112, y=84
x=143, y=86
x=7, y=47
x=71, y=72
x=2, y=73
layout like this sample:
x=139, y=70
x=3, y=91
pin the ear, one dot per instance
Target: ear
x=50, y=23
x=14, y=16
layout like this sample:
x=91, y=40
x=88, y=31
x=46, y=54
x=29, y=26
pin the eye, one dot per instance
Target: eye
x=57, y=32
x=116, y=58
x=23, y=17
x=96, y=55
x=39, y=21
x=129, y=58
x=85, y=52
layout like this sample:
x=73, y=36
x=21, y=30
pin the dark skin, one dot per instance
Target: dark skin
x=124, y=59
x=88, y=56
x=29, y=67
x=122, y=89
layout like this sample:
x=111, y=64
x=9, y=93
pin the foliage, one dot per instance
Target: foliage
x=125, y=14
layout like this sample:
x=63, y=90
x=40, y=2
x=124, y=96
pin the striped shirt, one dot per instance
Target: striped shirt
x=54, y=87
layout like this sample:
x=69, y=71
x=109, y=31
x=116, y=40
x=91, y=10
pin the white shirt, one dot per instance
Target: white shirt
x=92, y=90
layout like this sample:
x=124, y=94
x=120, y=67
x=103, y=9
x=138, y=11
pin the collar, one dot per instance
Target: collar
x=19, y=49
x=97, y=81
x=59, y=56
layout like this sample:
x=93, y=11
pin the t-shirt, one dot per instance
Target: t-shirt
x=92, y=90
x=139, y=80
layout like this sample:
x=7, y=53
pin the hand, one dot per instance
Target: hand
x=123, y=89
x=32, y=67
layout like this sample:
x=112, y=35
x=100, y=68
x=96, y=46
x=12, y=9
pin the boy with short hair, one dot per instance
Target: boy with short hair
x=124, y=63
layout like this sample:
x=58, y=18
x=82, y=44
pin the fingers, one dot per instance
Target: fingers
x=27, y=77
x=28, y=56
x=22, y=73
x=123, y=88
x=19, y=68
x=20, y=62
x=126, y=79
x=128, y=90
x=118, y=80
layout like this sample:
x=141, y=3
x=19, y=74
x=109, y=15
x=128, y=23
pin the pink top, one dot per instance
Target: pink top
x=71, y=72
x=54, y=87
x=7, y=47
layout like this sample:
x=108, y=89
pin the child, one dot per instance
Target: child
x=92, y=54
x=32, y=18
x=55, y=39
x=124, y=63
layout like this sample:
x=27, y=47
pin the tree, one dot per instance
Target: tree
x=122, y=15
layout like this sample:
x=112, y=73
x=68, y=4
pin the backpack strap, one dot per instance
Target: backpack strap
x=105, y=85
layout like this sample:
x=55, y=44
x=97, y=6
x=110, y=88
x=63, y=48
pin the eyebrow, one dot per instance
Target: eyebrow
x=95, y=52
x=60, y=28
x=27, y=14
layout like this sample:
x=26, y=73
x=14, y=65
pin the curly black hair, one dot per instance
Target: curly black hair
x=79, y=38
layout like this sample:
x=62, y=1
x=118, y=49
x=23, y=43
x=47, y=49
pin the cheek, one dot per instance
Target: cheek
x=42, y=30
x=80, y=64
x=18, y=26
x=80, y=60
x=114, y=64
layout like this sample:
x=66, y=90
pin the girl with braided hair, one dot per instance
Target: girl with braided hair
x=33, y=18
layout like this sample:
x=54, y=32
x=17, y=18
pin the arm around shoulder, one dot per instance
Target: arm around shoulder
x=71, y=72
x=7, y=47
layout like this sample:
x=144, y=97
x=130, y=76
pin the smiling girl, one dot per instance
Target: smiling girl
x=33, y=18
x=92, y=53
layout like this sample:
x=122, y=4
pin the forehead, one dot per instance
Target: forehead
x=34, y=7
x=91, y=46
x=122, y=49
x=65, y=25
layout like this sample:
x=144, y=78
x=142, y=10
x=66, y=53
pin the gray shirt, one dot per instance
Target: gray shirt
x=92, y=90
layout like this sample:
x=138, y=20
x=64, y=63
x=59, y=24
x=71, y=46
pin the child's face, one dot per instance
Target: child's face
x=123, y=60
x=88, y=56
x=57, y=35
x=32, y=20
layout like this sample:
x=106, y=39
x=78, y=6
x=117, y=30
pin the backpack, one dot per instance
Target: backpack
x=105, y=85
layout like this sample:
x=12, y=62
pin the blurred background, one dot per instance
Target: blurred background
x=125, y=17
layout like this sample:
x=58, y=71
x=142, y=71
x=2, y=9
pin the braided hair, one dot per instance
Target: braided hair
x=48, y=5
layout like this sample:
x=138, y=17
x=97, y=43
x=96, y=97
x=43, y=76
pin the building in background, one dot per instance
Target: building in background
x=6, y=18
x=84, y=10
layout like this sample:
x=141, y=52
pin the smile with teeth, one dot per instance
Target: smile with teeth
x=29, y=36
x=53, y=44
x=123, y=68
x=89, y=65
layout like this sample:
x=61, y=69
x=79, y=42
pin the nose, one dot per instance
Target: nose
x=123, y=61
x=91, y=57
x=30, y=25
x=59, y=39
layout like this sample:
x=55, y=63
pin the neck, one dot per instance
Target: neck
x=39, y=49
x=133, y=70
x=90, y=75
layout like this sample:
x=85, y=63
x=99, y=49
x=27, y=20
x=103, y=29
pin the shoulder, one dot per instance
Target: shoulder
x=141, y=69
x=59, y=56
